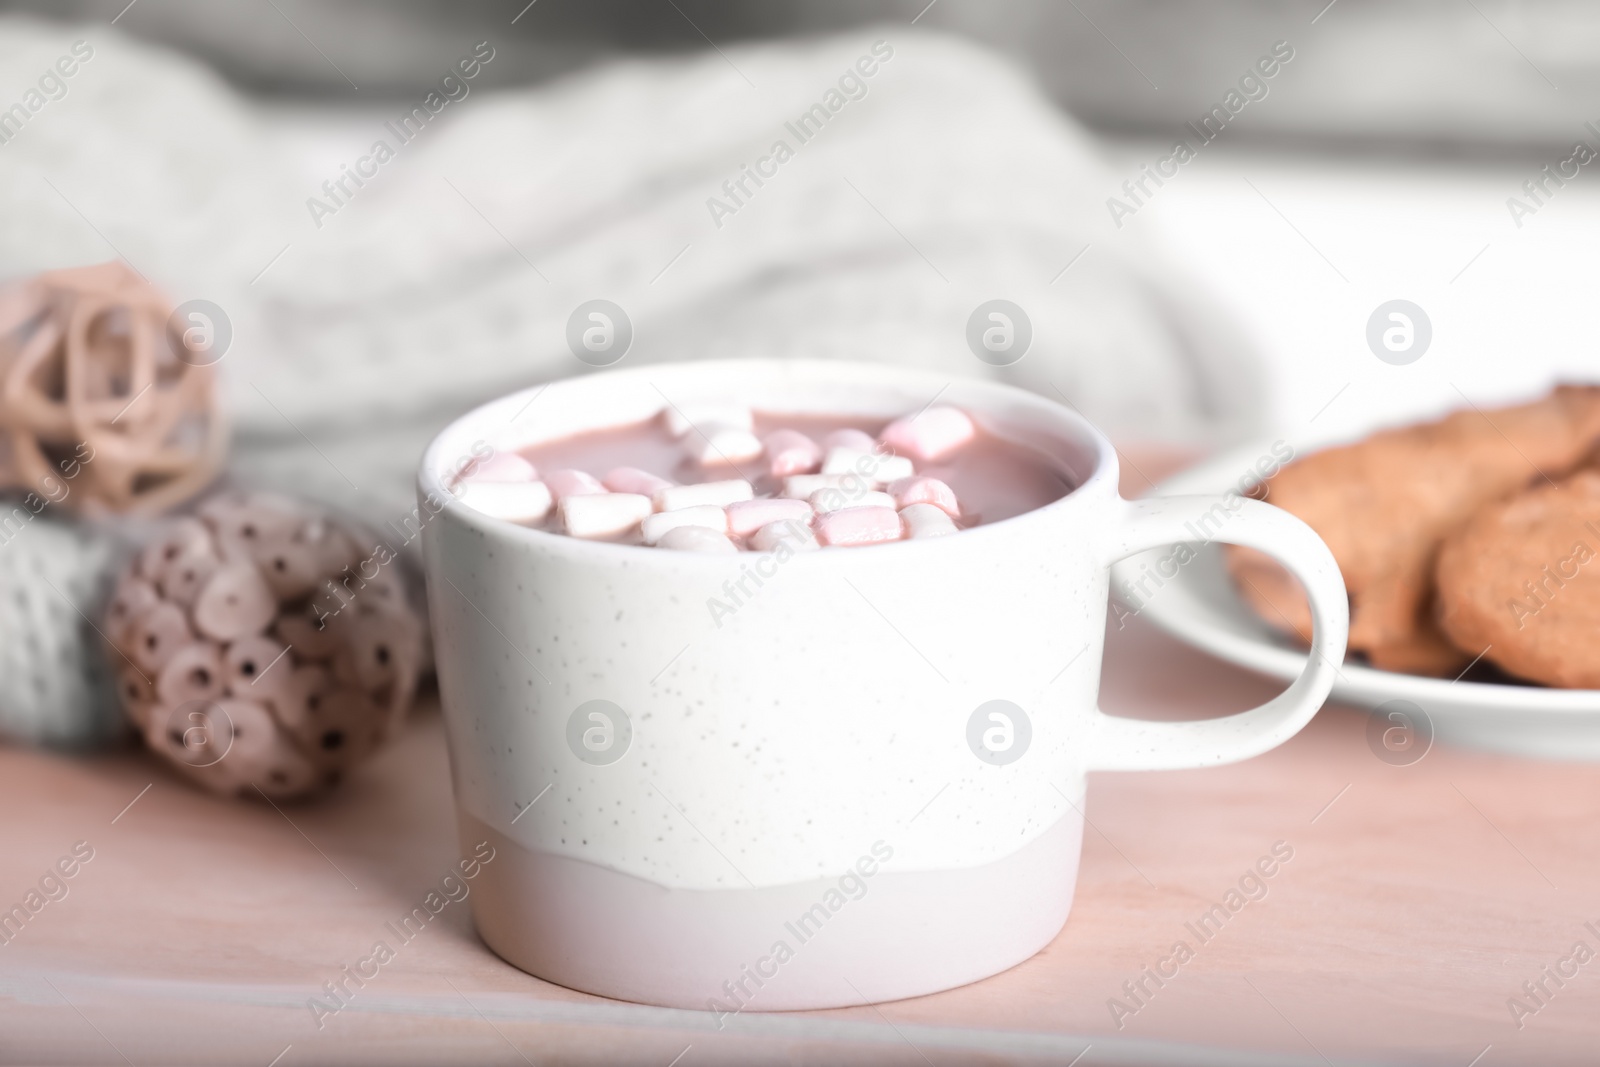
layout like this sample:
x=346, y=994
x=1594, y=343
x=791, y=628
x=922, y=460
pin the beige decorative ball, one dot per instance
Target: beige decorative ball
x=262, y=644
x=104, y=407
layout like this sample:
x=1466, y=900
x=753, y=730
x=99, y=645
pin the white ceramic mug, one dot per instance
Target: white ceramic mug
x=768, y=781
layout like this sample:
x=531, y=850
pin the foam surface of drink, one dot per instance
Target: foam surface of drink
x=991, y=478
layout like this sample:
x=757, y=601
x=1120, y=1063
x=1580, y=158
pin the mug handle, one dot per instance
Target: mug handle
x=1121, y=744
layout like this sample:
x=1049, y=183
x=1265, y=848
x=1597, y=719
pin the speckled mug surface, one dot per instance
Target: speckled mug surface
x=798, y=780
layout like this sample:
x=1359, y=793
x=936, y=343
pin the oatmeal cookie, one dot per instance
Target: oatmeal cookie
x=1384, y=504
x=1520, y=579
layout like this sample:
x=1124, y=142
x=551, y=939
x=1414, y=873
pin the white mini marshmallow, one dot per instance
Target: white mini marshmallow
x=709, y=516
x=681, y=419
x=926, y=520
x=859, y=526
x=829, y=500
x=565, y=483
x=858, y=440
x=748, y=516
x=697, y=539
x=687, y=496
x=930, y=436
x=633, y=480
x=801, y=486
x=797, y=535
x=603, y=514
x=502, y=467
x=711, y=444
x=880, y=468
x=791, y=452
x=513, y=501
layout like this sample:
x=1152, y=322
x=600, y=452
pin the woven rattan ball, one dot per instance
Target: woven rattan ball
x=103, y=407
x=262, y=645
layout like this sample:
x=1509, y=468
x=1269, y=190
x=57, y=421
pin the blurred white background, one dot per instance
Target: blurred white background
x=1512, y=309
x=1377, y=166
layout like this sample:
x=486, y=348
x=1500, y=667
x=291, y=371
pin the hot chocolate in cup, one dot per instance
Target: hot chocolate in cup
x=785, y=779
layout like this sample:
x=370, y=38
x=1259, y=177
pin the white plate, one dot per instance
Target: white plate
x=1200, y=607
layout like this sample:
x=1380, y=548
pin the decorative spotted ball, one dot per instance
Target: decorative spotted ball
x=261, y=644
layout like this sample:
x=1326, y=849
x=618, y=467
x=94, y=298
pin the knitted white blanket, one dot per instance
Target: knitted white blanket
x=448, y=275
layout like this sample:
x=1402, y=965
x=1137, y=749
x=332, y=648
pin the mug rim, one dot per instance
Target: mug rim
x=429, y=481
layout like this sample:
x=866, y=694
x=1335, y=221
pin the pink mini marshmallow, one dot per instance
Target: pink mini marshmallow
x=859, y=526
x=826, y=500
x=791, y=452
x=931, y=435
x=855, y=440
x=565, y=483
x=920, y=490
x=748, y=516
x=502, y=467
x=634, y=480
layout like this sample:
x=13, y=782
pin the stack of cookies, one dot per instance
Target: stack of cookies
x=1464, y=538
